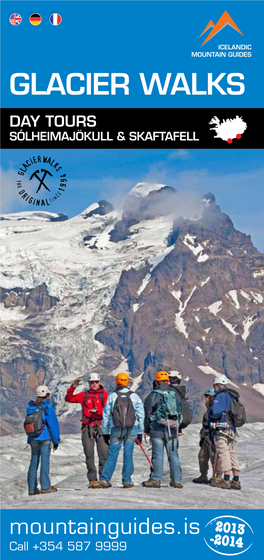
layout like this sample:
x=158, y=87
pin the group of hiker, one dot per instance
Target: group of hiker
x=120, y=419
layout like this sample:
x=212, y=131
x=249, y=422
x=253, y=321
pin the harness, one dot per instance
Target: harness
x=94, y=431
x=230, y=438
x=220, y=425
x=124, y=438
x=89, y=395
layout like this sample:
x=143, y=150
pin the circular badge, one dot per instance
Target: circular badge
x=41, y=181
x=55, y=19
x=15, y=19
x=35, y=19
x=228, y=535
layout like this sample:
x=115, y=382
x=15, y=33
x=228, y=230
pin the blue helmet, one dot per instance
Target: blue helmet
x=210, y=392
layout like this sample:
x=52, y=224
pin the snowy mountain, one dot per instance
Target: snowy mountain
x=159, y=282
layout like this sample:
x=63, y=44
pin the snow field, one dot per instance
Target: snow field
x=68, y=472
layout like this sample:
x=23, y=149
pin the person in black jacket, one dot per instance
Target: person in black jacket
x=163, y=433
x=175, y=384
x=207, y=448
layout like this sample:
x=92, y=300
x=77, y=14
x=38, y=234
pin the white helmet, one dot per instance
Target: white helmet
x=42, y=391
x=94, y=377
x=175, y=373
x=221, y=380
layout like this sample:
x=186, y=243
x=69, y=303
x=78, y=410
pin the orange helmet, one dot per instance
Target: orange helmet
x=162, y=376
x=122, y=379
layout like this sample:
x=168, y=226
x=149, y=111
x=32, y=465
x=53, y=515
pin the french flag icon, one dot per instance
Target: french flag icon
x=55, y=19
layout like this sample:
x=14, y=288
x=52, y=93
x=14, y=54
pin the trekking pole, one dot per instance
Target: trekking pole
x=143, y=451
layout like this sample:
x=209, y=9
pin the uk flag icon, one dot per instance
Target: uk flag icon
x=15, y=19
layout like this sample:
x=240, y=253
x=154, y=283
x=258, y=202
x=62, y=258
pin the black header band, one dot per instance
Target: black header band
x=132, y=128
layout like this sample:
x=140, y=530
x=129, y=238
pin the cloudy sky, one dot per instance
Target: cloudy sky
x=235, y=177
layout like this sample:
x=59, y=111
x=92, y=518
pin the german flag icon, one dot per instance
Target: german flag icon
x=35, y=19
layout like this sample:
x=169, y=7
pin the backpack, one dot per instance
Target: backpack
x=186, y=410
x=95, y=405
x=34, y=423
x=169, y=407
x=123, y=412
x=237, y=410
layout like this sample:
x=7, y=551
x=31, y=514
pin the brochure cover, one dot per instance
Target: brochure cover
x=132, y=278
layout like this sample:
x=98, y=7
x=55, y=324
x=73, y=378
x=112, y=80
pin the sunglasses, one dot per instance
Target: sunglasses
x=94, y=382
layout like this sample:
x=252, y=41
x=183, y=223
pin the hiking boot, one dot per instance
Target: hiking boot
x=49, y=490
x=37, y=491
x=235, y=485
x=151, y=483
x=216, y=479
x=221, y=483
x=103, y=484
x=176, y=484
x=128, y=484
x=201, y=480
x=94, y=484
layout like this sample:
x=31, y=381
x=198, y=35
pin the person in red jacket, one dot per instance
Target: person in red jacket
x=93, y=401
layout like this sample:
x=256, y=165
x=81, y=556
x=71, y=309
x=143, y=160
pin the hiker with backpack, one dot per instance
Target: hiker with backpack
x=42, y=428
x=225, y=415
x=207, y=448
x=175, y=384
x=162, y=419
x=186, y=411
x=123, y=424
x=93, y=402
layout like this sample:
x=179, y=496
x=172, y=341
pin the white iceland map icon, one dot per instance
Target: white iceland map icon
x=228, y=129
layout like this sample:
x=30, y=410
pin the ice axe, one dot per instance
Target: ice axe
x=144, y=452
x=41, y=181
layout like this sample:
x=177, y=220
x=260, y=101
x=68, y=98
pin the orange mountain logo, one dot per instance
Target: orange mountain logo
x=224, y=20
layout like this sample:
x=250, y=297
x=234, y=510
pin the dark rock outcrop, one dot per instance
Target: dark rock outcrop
x=34, y=300
x=19, y=379
x=103, y=209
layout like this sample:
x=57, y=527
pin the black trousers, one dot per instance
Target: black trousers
x=206, y=454
x=89, y=442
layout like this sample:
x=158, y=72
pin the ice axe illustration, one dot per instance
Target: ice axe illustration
x=41, y=181
x=144, y=452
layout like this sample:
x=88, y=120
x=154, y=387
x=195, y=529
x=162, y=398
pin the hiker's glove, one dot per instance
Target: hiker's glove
x=76, y=382
x=106, y=438
x=201, y=442
x=55, y=446
x=139, y=439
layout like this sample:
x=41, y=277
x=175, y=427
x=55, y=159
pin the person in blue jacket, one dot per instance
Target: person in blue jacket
x=117, y=437
x=223, y=434
x=41, y=444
